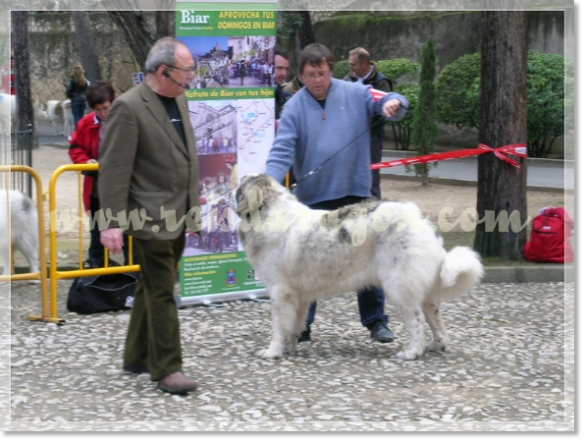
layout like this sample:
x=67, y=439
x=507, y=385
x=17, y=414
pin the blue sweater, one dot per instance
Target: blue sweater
x=309, y=135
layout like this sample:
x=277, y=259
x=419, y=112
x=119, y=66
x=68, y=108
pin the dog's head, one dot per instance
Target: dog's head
x=256, y=193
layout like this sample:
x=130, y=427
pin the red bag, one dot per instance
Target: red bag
x=549, y=239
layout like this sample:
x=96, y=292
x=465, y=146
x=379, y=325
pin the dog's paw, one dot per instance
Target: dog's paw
x=291, y=347
x=408, y=355
x=269, y=354
x=436, y=347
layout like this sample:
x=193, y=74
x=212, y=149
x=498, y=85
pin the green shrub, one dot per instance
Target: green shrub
x=403, y=70
x=548, y=75
x=402, y=129
x=399, y=68
x=341, y=69
x=458, y=92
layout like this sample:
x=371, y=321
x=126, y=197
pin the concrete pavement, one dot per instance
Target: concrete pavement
x=542, y=173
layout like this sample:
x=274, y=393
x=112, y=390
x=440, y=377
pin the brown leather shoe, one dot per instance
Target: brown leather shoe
x=176, y=383
x=135, y=369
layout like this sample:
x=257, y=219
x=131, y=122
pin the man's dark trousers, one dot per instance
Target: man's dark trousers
x=376, y=144
x=96, y=249
x=157, y=343
x=370, y=300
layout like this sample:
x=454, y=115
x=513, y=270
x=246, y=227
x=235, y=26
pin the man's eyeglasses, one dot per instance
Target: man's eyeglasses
x=316, y=76
x=189, y=69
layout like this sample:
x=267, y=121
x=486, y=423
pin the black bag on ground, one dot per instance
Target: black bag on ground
x=102, y=293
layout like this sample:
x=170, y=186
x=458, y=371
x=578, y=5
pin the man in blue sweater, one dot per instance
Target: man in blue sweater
x=325, y=128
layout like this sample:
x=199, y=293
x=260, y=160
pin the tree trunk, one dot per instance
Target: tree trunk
x=165, y=20
x=136, y=33
x=25, y=114
x=501, y=187
x=305, y=32
x=85, y=46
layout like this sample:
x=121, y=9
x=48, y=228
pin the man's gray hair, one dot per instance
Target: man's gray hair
x=361, y=53
x=162, y=52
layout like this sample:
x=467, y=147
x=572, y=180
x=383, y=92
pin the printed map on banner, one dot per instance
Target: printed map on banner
x=231, y=110
x=256, y=123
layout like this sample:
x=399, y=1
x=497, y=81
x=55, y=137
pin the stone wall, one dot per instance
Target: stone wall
x=53, y=46
x=53, y=52
x=388, y=35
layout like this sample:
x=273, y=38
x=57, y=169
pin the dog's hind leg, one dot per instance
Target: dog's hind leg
x=31, y=253
x=27, y=242
x=435, y=321
x=414, y=320
x=4, y=258
x=284, y=320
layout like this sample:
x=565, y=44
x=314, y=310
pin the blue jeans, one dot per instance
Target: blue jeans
x=78, y=110
x=371, y=299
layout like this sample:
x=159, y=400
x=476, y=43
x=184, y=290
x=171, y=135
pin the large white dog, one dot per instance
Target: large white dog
x=24, y=229
x=302, y=255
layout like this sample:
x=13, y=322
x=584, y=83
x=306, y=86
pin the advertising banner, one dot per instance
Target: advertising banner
x=231, y=106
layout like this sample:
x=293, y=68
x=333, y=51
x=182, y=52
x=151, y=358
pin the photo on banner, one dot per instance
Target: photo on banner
x=231, y=108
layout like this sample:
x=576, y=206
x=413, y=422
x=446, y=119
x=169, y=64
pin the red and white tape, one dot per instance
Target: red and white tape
x=518, y=150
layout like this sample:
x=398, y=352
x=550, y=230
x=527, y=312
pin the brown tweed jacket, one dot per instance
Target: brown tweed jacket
x=148, y=178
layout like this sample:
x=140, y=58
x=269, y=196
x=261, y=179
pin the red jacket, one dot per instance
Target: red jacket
x=7, y=80
x=84, y=146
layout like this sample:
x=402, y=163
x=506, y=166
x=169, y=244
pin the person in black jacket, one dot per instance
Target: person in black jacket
x=281, y=65
x=364, y=71
x=76, y=92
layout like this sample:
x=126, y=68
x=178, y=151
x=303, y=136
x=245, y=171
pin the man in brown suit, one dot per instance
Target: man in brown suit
x=149, y=180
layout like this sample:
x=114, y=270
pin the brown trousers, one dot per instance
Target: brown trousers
x=153, y=336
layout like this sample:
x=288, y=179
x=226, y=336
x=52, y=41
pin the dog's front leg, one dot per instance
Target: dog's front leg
x=414, y=320
x=283, y=326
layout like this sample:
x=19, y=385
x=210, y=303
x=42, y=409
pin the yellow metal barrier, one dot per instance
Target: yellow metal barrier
x=55, y=274
x=41, y=275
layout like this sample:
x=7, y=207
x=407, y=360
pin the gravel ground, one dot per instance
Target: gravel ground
x=510, y=368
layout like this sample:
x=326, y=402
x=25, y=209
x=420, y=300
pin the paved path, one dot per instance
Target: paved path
x=547, y=174
x=544, y=174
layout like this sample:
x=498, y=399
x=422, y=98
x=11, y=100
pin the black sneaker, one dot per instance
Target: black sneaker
x=305, y=336
x=381, y=333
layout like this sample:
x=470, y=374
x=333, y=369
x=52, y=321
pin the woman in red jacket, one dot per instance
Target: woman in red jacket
x=83, y=149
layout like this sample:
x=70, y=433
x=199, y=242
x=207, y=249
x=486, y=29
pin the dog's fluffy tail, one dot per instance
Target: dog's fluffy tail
x=461, y=270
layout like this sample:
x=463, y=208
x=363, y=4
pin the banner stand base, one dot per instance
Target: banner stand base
x=211, y=300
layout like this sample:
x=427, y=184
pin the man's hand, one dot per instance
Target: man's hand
x=391, y=107
x=112, y=239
